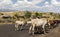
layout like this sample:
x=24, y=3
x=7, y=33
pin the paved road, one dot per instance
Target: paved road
x=8, y=31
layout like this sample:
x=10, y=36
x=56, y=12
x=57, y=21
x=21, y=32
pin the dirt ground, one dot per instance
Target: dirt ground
x=7, y=30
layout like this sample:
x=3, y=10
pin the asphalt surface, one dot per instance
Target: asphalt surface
x=7, y=30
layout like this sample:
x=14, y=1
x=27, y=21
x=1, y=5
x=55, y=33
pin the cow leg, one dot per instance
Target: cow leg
x=33, y=30
x=47, y=28
x=21, y=27
x=49, y=25
x=52, y=26
x=30, y=29
x=55, y=24
x=44, y=29
x=16, y=27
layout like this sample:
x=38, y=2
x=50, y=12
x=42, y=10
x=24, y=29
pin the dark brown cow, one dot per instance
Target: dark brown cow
x=53, y=23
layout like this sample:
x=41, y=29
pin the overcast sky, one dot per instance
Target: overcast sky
x=31, y=5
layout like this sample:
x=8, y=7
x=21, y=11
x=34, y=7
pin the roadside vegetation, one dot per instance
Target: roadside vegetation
x=26, y=16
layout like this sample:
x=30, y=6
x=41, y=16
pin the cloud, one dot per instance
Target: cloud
x=26, y=3
x=22, y=5
x=46, y=3
x=5, y=4
x=8, y=4
x=55, y=2
x=36, y=1
x=19, y=5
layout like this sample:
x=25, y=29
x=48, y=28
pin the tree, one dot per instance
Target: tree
x=16, y=15
x=38, y=14
x=51, y=13
x=27, y=14
x=59, y=16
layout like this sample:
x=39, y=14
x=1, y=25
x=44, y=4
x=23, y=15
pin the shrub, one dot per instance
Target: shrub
x=27, y=14
x=38, y=14
x=16, y=15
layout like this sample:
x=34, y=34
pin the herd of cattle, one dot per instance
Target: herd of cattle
x=37, y=24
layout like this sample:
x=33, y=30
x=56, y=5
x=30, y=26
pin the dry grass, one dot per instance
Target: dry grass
x=6, y=23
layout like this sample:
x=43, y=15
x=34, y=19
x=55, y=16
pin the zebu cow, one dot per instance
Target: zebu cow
x=37, y=23
x=52, y=22
x=19, y=24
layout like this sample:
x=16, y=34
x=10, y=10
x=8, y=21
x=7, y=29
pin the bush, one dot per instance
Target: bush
x=59, y=16
x=27, y=14
x=16, y=15
x=51, y=13
x=38, y=14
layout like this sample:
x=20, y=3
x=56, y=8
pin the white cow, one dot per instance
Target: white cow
x=36, y=23
x=19, y=23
